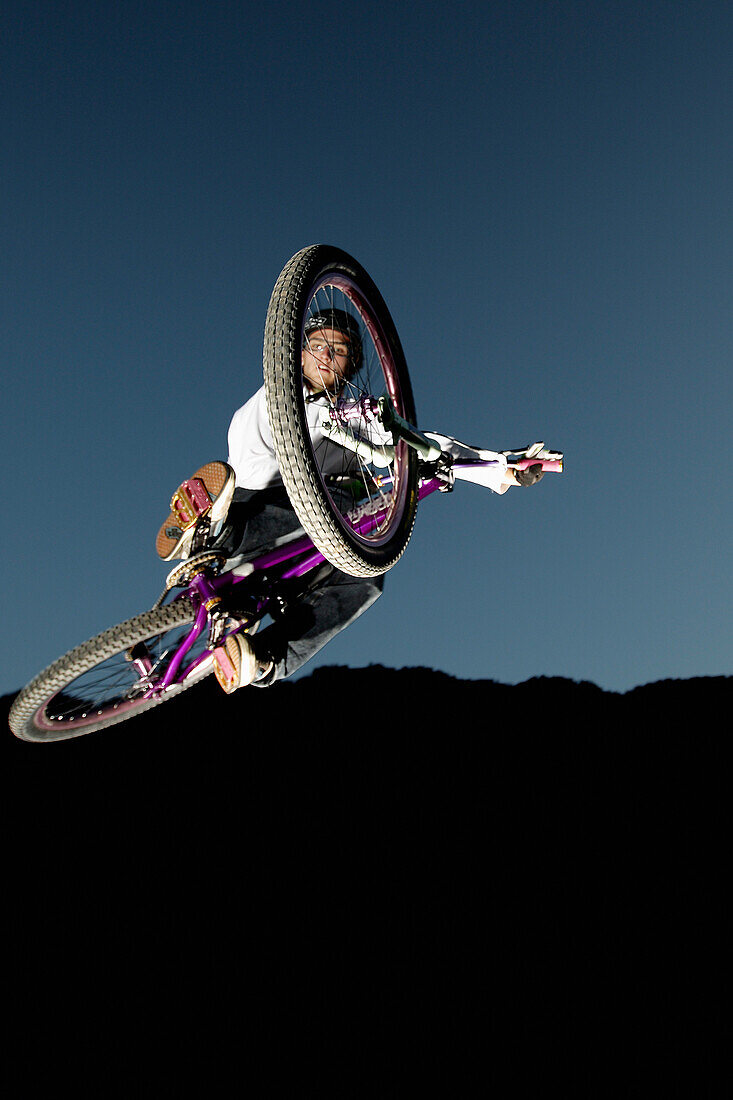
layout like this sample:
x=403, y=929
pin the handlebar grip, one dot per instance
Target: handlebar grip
x=549, y=465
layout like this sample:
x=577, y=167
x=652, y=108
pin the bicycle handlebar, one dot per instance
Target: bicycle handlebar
x=549, y=465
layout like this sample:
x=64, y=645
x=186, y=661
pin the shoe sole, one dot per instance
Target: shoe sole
x=208, y=492
x=228, y=664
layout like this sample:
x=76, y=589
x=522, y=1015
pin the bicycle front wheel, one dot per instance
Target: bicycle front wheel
x=356, y=502
x=104, y=681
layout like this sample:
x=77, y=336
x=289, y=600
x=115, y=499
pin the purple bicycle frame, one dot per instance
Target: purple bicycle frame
x=300, y=551
x=304, y=556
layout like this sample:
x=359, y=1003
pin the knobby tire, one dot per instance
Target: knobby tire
x=28, y=716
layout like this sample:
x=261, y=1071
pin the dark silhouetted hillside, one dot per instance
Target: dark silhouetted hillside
x=511, y=861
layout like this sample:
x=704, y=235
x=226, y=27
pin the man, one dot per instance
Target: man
x=261, y=513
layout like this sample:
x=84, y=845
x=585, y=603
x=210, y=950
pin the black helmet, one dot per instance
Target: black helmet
x=340, y=321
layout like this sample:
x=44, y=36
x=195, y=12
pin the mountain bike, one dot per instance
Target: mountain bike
x=357, y=518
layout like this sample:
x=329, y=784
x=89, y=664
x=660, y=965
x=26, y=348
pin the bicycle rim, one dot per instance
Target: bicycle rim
x=358, y=508
x=110, y=678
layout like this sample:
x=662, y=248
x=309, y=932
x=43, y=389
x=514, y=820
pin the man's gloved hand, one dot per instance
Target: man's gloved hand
x=531, y=475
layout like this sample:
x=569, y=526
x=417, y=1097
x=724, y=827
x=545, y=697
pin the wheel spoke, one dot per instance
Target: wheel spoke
x=329, y=289
x=116, y=680
x=367, y=382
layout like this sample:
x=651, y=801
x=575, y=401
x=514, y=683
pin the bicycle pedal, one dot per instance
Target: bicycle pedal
x=206, y=495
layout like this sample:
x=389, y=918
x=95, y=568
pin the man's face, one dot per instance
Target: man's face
x=326, y=359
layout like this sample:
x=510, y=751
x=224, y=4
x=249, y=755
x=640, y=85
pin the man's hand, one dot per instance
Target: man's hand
x=530, y=476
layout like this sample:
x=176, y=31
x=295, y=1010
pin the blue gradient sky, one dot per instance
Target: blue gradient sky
x=542, y=191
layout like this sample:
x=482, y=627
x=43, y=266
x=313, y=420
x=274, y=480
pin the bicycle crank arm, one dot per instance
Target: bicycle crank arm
x=428, y=450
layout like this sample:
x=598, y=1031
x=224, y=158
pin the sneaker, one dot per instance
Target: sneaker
x=203, y=499
x=235, y=663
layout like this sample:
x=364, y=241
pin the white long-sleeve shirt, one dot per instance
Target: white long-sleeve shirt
x=252, y=451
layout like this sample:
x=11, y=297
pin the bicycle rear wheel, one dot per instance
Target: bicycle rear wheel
x=103, y=681
x=362, y=532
